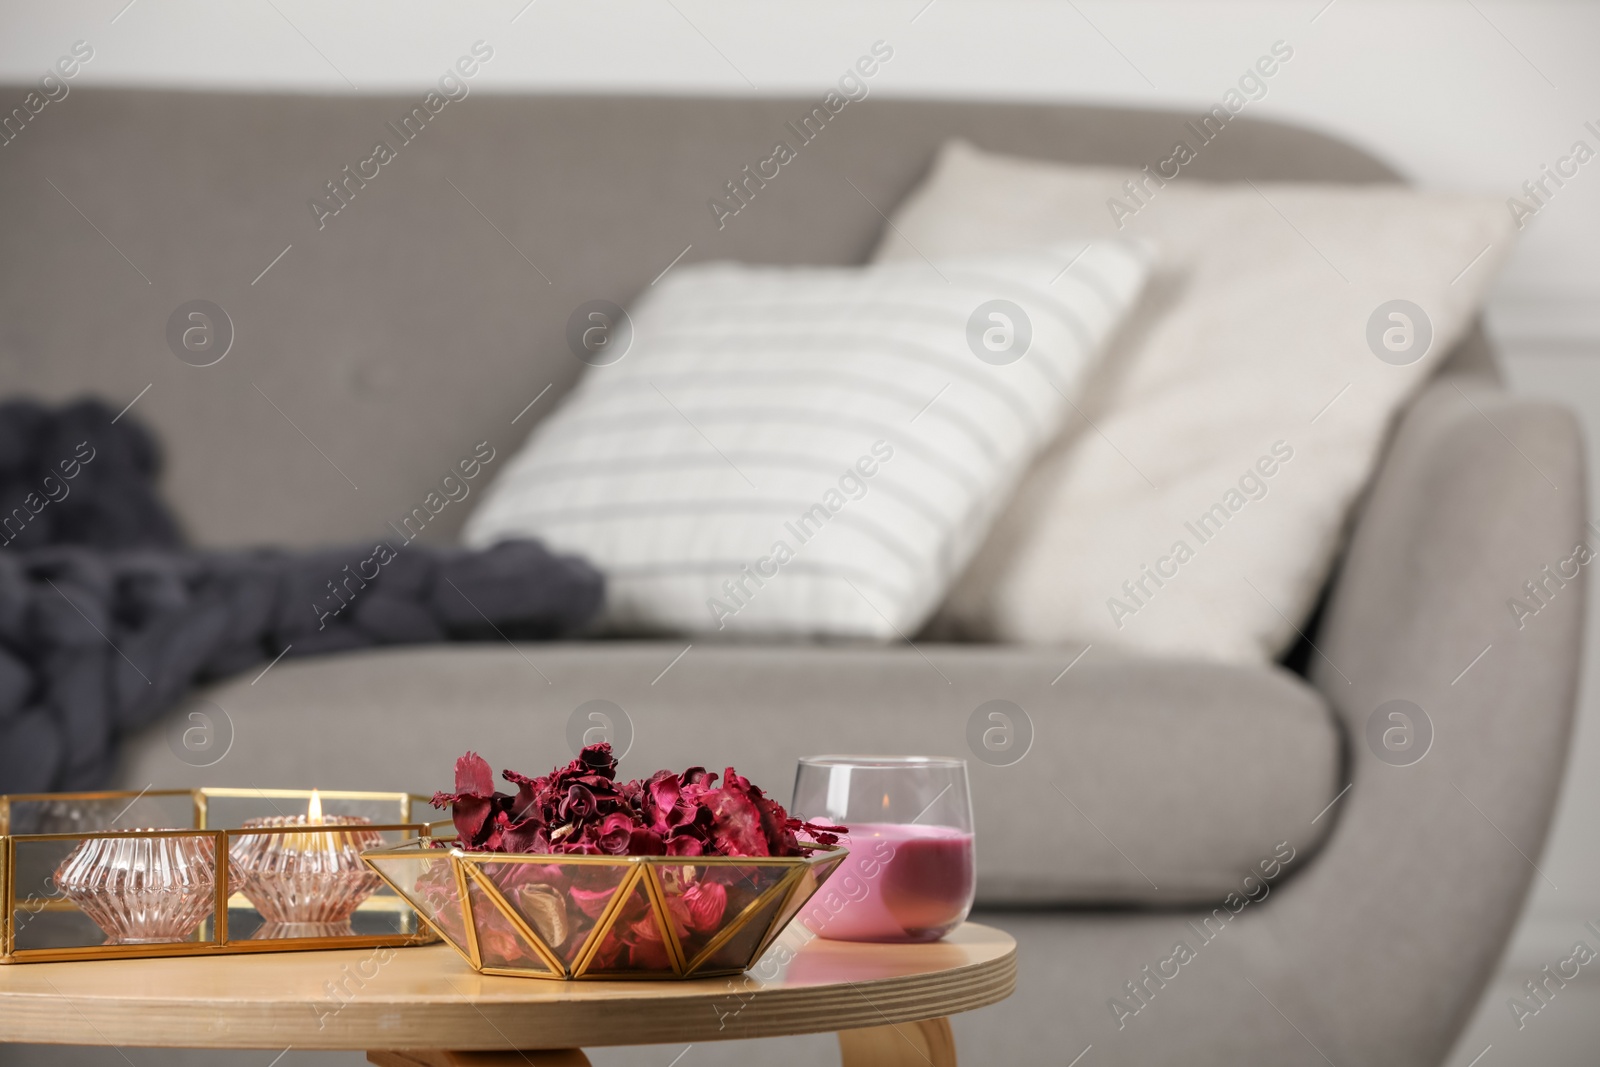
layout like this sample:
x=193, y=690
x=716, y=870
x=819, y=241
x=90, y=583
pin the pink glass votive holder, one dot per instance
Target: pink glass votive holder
x=307, y=883
x=141, y=890
x=910, y=874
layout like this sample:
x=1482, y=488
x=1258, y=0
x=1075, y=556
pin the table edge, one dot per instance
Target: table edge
x=510, y=1024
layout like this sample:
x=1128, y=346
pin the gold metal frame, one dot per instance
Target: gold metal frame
x=642, y=873
x=212, y=937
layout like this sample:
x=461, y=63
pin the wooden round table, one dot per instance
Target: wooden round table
x=425, y=1006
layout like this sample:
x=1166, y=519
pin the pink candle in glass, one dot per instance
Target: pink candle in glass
x=901, y=882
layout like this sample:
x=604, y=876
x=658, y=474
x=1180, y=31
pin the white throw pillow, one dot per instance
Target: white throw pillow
x=1196, y=505
x=811, y=451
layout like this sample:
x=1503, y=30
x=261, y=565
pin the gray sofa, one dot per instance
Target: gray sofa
x=385, y=341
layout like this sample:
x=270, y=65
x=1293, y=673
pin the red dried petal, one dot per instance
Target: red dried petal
x=473, y=776
x=685, y=846
x=471, y=814
x=705, y=903
x=597, y=759
x=737, y=831
x=615, y=834
x=646, y=843
x=591, y=901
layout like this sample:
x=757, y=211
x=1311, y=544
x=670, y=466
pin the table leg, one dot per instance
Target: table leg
x=896, y=1045
x=899, y=1045
x=570, y=1057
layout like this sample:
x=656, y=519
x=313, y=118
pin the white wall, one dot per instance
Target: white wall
x=1458, y=94
x=1472, y=95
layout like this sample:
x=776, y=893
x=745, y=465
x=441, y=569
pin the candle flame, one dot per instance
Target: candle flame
x=314, y=810
x=886, y=802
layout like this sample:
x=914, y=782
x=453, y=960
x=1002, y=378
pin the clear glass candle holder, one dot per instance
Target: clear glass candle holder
x=910, y=874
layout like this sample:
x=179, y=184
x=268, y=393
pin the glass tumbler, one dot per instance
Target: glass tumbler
x=910, y=875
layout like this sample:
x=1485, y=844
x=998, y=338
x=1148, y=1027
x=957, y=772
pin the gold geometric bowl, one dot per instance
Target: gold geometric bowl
x=591, y=917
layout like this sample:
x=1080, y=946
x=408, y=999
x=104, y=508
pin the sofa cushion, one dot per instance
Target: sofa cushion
x=845, y=428
x=1196, y=504
x=1139, y=781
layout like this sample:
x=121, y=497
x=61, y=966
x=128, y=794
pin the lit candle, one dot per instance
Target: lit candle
x=306, y=883
x=306, y=842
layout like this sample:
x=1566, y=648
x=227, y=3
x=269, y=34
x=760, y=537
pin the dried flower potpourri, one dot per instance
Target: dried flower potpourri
x=582, y=809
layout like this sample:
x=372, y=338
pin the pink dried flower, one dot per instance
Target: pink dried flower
x=581, y=808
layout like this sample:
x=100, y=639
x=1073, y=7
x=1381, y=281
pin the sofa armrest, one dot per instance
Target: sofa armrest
x=1479, y=493
x=1425, y=874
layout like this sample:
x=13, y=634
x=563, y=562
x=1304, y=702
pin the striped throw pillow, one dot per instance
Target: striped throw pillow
x=811, y=451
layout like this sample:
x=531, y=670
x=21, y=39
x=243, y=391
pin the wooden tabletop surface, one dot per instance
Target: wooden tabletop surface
x=428, y=997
